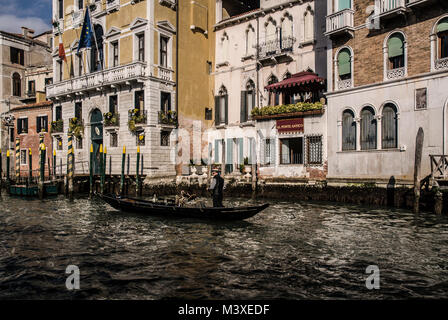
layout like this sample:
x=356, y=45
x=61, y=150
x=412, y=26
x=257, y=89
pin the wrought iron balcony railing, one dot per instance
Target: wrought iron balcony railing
x=276, y=47
x=57, y=126
x=168, y=118
x=111, y=119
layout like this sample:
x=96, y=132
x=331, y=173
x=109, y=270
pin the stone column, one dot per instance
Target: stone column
x=358, y=133
x=379, y=131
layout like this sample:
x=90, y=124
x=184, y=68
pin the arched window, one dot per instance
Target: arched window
x=396, y=51
x=247, y=101
x=271, y=30
x=221, y=107
x=348, y=131
x=286, y=32
x=250, y=40
x=308, y=22
x=16, y=85
x=389, y=123
x=224, y=43
x=442, y=38
x=344, y=64
x=274, y=97
x=287, y=75
x=368, y=129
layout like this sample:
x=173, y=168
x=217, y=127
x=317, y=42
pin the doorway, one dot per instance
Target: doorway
x=96, y=124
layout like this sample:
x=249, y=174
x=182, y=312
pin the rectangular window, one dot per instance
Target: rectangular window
x=113, y=104
x=59, y=144
x=31, y=87
x=58, y=113
x=165, y=102
x=42, y=124
x=17, y=56
x=80, y=4
x=61, y=9
x=222, y=109
x=141, y=47
x=291, y=151
x=141, y=138
x=79, y=143
x=139, y=99
x=78, y=110
x=443, y=44
x=165, y=138
x=79, y=64
x=22, y=125
x=314, y=150
x=208, y=114
x=11, y=135
x=163, y=51
x=24, y=157
x=115, y=54
x=48, y=81
x=113, y=139
x=60, y=70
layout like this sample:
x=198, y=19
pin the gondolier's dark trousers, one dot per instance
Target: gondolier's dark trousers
x=217, y=200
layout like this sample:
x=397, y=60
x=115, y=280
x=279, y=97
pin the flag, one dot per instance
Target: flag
x=85, y=41
x=61, y=52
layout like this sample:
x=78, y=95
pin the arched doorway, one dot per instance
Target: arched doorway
x=96, y=124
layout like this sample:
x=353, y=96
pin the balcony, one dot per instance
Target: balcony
x=95, y=8
x=390, y=8
x=168, y=3
x=340, y=23
x=441, y=64
x=168, y=118
x=137, y=119
x=111, y=119
x=396, y=73
x=97, y=80
x=165, y=73
x=57, y=126
x=112, y=5
x=276, y=50
x=77, y=18
x=344, y=84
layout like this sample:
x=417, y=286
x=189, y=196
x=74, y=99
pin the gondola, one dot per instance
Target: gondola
x=169, y=209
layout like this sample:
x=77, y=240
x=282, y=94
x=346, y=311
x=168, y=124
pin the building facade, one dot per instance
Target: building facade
x=121, y=91
x=25, y=63
x=258, y=44
x=387, y=74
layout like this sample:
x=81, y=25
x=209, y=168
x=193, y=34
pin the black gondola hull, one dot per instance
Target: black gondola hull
x=171, y=210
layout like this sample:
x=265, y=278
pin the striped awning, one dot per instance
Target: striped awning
x=301, y=79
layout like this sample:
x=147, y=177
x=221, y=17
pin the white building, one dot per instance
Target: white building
x=258, y=44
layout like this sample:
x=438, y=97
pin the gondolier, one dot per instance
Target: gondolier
x=216, y=187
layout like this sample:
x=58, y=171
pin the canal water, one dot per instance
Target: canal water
x=290, y=251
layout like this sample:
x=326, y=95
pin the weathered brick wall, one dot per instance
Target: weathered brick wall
x=368, y=44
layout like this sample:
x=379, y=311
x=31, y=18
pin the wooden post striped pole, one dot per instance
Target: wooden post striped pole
x=17, y=160
x=41, y=142
x=30, y=167
x=91, y=170
x=123, y=162
x=41, y=171
x=54, y=164
x=101, y=170
x=8, y=159
x=70, y=165
x=137, y=191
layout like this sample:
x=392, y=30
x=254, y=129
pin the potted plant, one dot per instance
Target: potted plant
x=76, y=127
x=136, y=116
x=110, y=119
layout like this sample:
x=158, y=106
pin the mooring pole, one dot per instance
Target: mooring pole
x=418, y=160
x=105, y=165
x=42, y=172
x=54, y=164
x=30, y=167
x=70, y=166
x=91, y=170
x=123, y=162
x=101, y=170
x=137, y=182
x=8, y=156
x=1, y=171
x=17, y=160
x=129, y=161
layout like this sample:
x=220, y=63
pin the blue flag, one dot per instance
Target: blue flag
x=85, y=41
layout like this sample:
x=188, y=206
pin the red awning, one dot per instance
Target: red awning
x=304, y=79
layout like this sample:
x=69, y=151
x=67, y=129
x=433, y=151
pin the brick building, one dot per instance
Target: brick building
x=32, y=120
x=387, y=76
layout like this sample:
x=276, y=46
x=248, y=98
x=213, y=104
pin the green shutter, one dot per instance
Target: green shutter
x=396, y=46
x=241, y=150
x=216, y=151
x=227, y=108
x=344, y=64
x=273, y=151
x=251, y=149
x=443, y=25
x=229, y=151
x=243, y=113
x=216, y=110
x=344, y=4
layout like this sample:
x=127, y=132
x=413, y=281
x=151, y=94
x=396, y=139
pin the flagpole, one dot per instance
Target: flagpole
x=81, y=55
x=65, y=56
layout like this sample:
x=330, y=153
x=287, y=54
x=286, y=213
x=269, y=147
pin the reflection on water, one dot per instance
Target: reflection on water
x=290, y=251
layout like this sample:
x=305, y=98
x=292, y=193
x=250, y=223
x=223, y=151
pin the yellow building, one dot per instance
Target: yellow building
x=132, y=65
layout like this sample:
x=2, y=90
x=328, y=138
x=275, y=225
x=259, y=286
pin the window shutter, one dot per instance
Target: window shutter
x=241, y=150
x=26, y=126
x=251, y=150
x=38, y=126
x=216, y=110
x=348, y=131
x=443, y=25
x=396, y=46
x=227, y=108
x=229, y=151
x=216, y=151
x=262, y=151
x=273, y=151
x=46, y=123
x=243, y=114
x=344, y=4
x=19, y=126
x=389, y=128
x=344, y=64
x=22, y=57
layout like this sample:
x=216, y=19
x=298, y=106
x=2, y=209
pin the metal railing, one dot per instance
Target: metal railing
x=275, y=47
x=169, y=117
x=112, y=120
x=439, y=167
x=340, y=20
